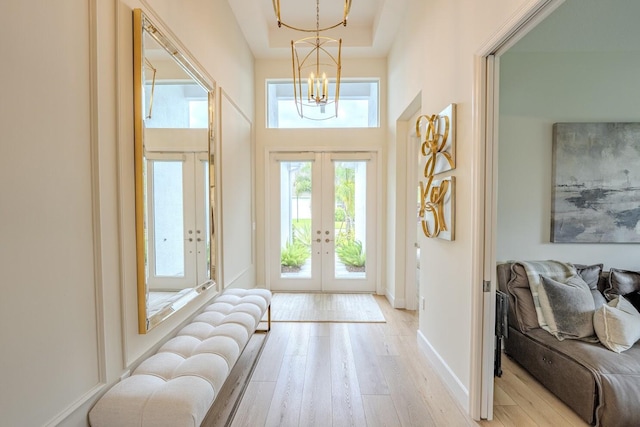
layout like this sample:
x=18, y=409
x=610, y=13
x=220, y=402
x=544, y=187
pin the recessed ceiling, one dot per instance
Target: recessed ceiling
x=371, y=27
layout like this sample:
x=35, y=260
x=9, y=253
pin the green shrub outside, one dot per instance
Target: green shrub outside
x=294, y=254
x=302, y=233
x=350, y=252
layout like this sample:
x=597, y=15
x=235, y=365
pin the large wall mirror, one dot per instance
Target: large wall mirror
x=175, y=201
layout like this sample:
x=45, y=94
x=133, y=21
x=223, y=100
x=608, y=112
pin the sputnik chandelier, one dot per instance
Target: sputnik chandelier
x=317, y=67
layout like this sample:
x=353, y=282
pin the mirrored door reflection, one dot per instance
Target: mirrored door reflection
x=166, y=221
x=178, y=253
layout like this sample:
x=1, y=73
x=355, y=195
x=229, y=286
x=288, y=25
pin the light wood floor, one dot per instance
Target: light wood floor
x=373, y=374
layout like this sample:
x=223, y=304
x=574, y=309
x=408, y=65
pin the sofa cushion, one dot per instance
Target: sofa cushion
x=592, y=275
x=524, y=309
x=568, y=308
x=617, y=324
x=615, y=375
x=625, y=283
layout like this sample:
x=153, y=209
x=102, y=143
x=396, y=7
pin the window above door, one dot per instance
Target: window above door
x=358, y=108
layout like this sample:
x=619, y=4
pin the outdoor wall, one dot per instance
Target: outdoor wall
x=68, y=310
x=433, y=57
x=536, y=90
x=311, y=139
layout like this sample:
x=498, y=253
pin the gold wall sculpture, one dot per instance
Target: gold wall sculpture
x=437, y=202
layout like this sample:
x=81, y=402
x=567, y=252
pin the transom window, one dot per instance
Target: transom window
x=358, y=106
x=176, y=105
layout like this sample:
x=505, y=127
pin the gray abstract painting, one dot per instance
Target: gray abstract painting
x=596, y=183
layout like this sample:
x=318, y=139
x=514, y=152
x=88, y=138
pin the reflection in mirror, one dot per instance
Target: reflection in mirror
x=174, y=204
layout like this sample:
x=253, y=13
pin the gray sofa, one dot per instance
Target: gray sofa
x=600, y=385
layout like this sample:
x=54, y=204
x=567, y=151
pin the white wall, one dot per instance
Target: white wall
x=67, y=246
x=310, y=139
x=50, y=333
x=537, y=90
x=236, y=184
x=433, y=55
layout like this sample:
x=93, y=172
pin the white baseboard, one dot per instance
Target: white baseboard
x=390, y=298
x=395, y=302
x=451, y=381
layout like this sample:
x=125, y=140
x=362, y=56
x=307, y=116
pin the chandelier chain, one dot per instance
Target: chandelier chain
x=317, y=22
x=316, y=58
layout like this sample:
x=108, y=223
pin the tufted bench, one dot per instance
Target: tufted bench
x=177, y=385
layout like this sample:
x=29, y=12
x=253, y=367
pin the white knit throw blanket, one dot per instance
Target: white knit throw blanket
x=556, y=270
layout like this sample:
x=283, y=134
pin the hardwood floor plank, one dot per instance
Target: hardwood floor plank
x=396, y=314
x=320, y=329
x=286, y=403
x=513, y=416
x=384, y=341
x=380, y=411
x=347, y=406
x=255, y=405
x=531, y=402
x=298, y=344
x=357, y=374
x=444, y=410
x=316, y=396
x=270, y=361
x=411, y=409
x=547, y=398
x=370, y=377
x=325, y=307
x=500, y=398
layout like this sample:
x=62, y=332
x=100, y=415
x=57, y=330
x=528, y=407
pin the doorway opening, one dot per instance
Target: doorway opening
x=486, y=124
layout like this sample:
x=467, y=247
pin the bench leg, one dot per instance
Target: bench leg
x=268, y=321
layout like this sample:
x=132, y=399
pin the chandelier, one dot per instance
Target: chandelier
x=317, y=66
x=347, y=8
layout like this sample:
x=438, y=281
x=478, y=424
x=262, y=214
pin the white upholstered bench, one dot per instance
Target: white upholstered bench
x=177, y=385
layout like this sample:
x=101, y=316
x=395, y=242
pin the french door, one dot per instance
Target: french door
x=177, y=203
x=323, y=222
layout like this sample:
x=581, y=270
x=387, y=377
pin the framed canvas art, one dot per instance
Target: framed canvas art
x=596, y=183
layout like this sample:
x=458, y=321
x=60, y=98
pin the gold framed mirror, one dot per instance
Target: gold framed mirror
x=174, y=180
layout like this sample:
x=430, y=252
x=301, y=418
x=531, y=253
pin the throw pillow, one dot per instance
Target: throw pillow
x=624, y=283
x=592, y=275
x=617, y=324
x=568, y=308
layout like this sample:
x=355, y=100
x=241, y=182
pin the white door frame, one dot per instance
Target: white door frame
x=411, y=232
x=485, y=127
